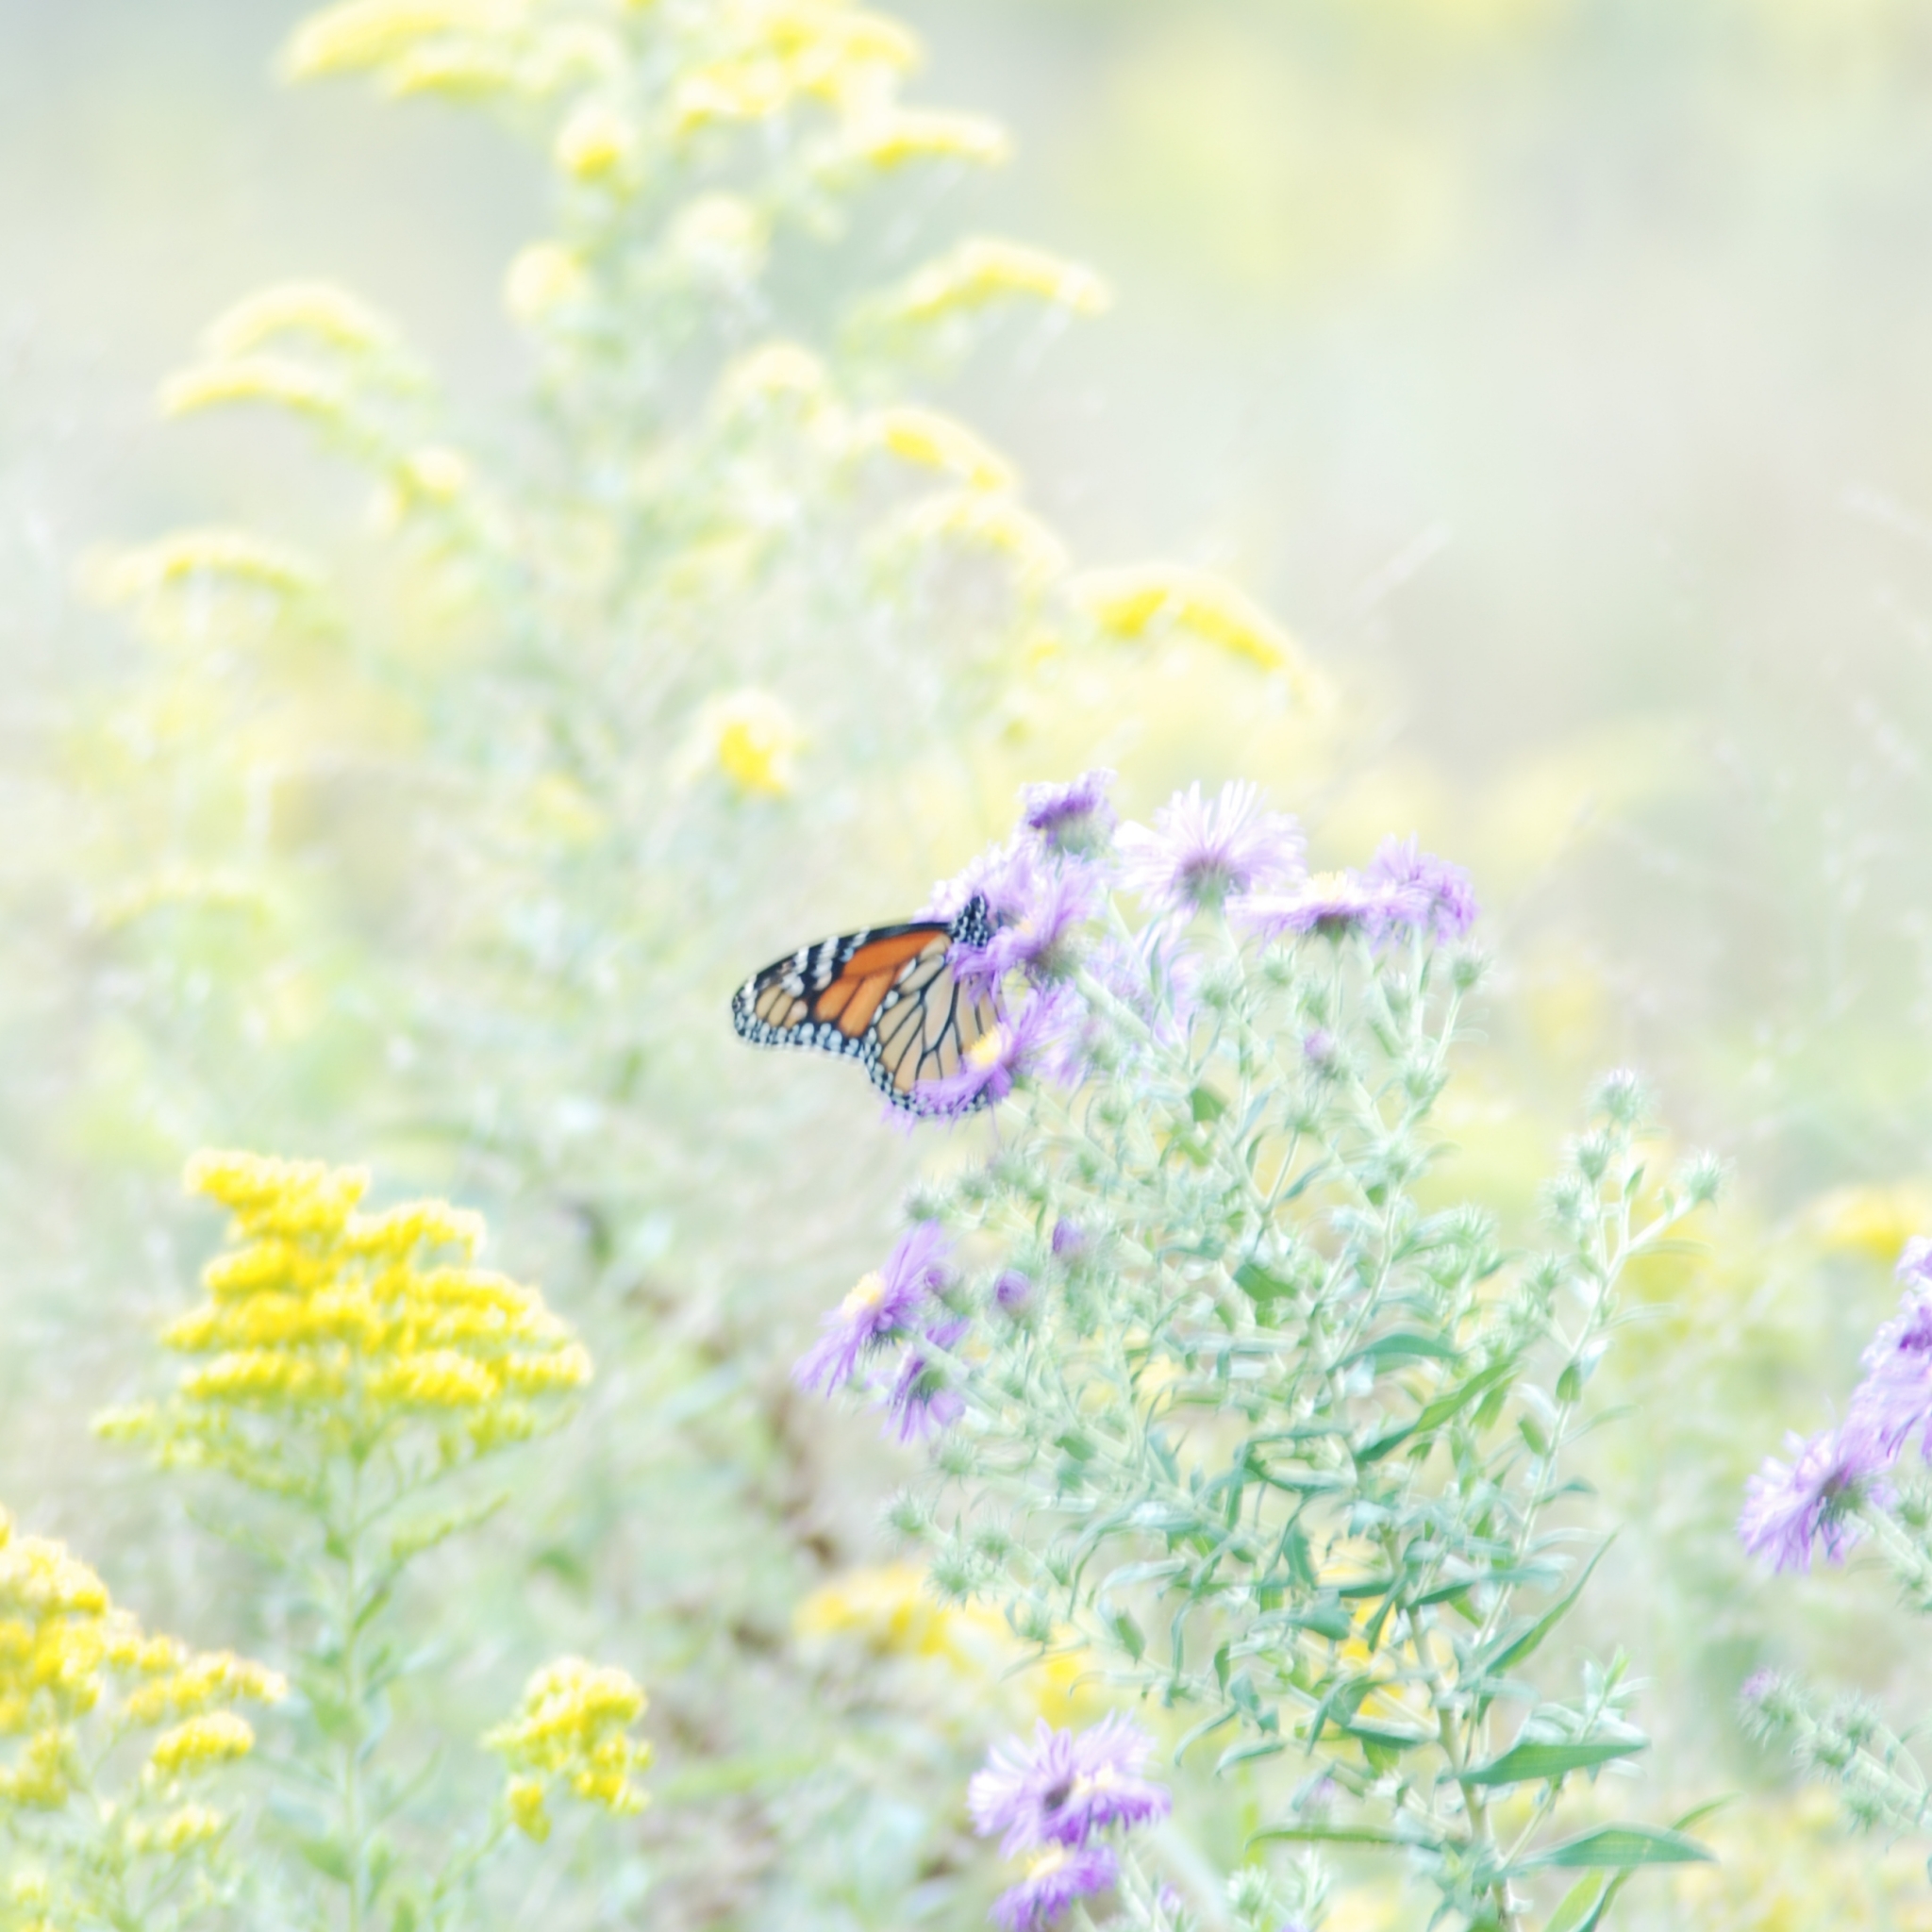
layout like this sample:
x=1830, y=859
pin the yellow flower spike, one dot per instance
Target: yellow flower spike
x=544, y=279
x=780, y=372
x=526, y=1798
x=1134, y=602
x=218, y=1737
x=593, y=143
x=985, y=519
x=896, y=135
x=937, y=441
x=200, y=556
x=181, y=1831
x=732, y=92
x=255, y=379
x=436, y=1378
x=457, y=71
x=749, y=737
x=573, y=1725
x=360, y=35
x=837, y=33
x=316, y=311
x=983, y=271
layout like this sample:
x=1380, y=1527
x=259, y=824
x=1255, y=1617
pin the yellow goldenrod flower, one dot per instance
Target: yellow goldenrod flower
x=193, y=554
x=780, y=369
x=832, y=32
x=937, y=441
x=987, y=520
x=750, y=737
x=457, y=70
x=593, y=143
x=318, y=310
x=1130, y=603
x=983, y=271
x=322, y=1318
x=898, y=135
x=201, y=1682
x=255, y=379
x=525, y=1799
x=360, y=35
x=543, y=278
x=180, y=1830
x=42, y=1778
x=573, y=1726
x=216, y=1737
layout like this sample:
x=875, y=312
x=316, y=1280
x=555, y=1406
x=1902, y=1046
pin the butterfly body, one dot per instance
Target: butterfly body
x=885, y=996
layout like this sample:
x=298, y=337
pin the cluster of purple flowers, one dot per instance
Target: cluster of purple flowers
x=1052, y=1801
x=1813, y=1499
x=1045, y=889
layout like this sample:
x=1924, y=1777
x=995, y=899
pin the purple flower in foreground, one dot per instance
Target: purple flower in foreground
x=1788, y=1508
x=1055, y=1881
x=1329, y=902
x=1201, y=851
x=1074, y=818
x=883, y=1304
x=1037, y=907
x=1429, y=893
x=923, y=1402
x=1894, y=1401
x=1012, y=1291
x=1066, y=1786
x=1020, y=1043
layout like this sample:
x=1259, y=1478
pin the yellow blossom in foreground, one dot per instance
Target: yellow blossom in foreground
x=325, y=1320
x=593, y=143
x=899, y=134
x=987, y=520
x=573, y=1727
x=359, y=35
x=937, y=441
x=1130, y=603
x=254, y=379
x=192, y=555
x=319, y=310
x=750, y=737
x=983, y=271
x=202, y=1743
x=545, y=278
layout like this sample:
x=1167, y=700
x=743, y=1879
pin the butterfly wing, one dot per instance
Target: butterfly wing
x=885, y=997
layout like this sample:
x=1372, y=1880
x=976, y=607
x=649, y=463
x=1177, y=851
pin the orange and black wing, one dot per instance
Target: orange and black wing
x=885, y=997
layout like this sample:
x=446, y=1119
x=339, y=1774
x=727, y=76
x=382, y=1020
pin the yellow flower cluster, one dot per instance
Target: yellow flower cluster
x=750, y=738
x=781, y=51
x=64, y=1645
x=573, y=1727
x=350, y=1325
x=1133, y=602
x=984, y=271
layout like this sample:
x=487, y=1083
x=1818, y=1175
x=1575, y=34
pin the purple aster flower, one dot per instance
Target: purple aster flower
x=1915, y=1263
x=1156, y=975
x=1329, y=902
x=923, y=1402
x=1201, y=851
x=1055, y=1881
x=1894, y=1401
x=1067, y=1238
x=985, y=876
x=1023, y=1042
x=1012, y=1291
x=1429, y=893
x=1321, y=1051
x=1037, y=906
x=1074, y=818
x=1788, y=1508
x=1068, y=1786
x=882, y=1307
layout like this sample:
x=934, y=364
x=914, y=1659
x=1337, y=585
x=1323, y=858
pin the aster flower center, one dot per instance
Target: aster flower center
x=1048, y=1862
x=986, y=1050
x=866, y=1294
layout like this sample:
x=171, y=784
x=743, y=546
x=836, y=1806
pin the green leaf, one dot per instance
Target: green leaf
x=1618, y=1847
x=1241, y=1754
x=1579, y=1906
x=1129, y=1635
x=1447, y=1404
x=1403, y=1345
x=1529, y=1764
x=1256, y=1282
x=1388, y=1736
x=1325, y=1835
x=1206, y=1104
x=1510, y=1649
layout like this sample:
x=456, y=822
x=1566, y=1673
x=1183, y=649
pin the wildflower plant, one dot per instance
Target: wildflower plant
x=1861, y=1483
x=1221, y=1393
x=349, y=1365
x=116, y=1753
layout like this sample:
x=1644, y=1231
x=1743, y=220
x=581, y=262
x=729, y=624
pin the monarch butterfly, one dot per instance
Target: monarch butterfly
x=886, y=997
